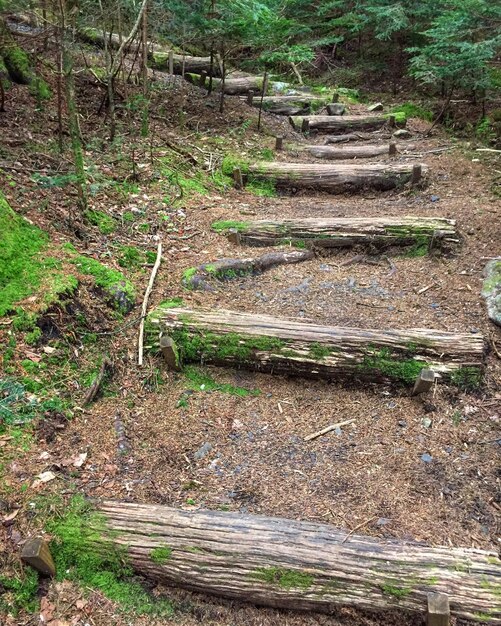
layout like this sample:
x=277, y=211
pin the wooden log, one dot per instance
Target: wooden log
x=225, y=269
x=336, y=178
x=348, y=152
x=348, y=137
x=270, y=344
x=438, y=609
x=292, y=105
x=342, y=232
x=424, y=382
x=36, y=553
x=339, y=124
x=300, y=565
x=232, y=86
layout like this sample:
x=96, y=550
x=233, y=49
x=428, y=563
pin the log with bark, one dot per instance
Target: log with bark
x=18, y=66
x=348, y=152
x=341, y=232
x=299, y=565
x=284, y=346
x=349, y=137
x=291, y=105
x=225, y=269
x=338, y=124
x=336, y=178
x=232, y=86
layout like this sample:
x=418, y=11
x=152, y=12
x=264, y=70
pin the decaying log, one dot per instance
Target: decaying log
x=225, y=269
x=341, y=232
x=349, y=152
x=336, y=178
x=300, y=565
x=348, y=137
x=338, y=124
x=291, y=105
x=232, y=86
x=278, y=345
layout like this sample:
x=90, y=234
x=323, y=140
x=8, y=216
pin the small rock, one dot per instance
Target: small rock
x=375, y=107
x=382, y=521
x=336, y=108
x=491, y=290
x=324, y=267
x=402, y=423
x=426, y=422
x=402, y=133
x=435, y=198
x=203, y=451
x=426, y=458
x=391, y=404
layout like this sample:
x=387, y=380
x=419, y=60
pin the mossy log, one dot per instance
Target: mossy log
x=278, y=345
x=336, y=178
x=225, y=269
x=15, y=59
x=232, y=86
x=348, y=152
x=342, y=232
x=338, y=124
x=291, y=105
x=300, y=565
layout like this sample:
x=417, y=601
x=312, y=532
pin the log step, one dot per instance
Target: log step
x=338, y=124
x=338, y=178
x=290, y=105
x=276, y=345
x=300, y=565
x=351, y=152
x=232, y=86
x=341, y=232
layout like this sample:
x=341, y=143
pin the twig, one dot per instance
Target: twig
x=425, y=289
x=327, y=429
x=145, y=302
x=94, y=388
x=358, y=526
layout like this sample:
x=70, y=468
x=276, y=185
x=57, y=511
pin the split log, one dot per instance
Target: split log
x=300, y=565
x=342, y=232
x=339, y=124
x=337, y=178
x=278, y=345
x=349, y=152
x=232, y=86
x=227, y=269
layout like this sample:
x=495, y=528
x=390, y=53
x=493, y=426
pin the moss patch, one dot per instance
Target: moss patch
x=225, y=225
x=19, y=593
x=467, y=378
x=394, y=590
x=285, y=578
x=161, y=555
x=400, y=369
x=412, y=110
x=198, y=381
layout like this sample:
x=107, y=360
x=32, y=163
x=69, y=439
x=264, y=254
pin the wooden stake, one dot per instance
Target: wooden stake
x=203, y=77
x=237, y=177
x=94, y=388
x=416, y=173
x=145, y=303
x=171, y=62
x=424, y=382
x=279, y=143
x=234, y=236
x=250, y=97
x=170, y=353
x=393, y=148
x=327, y=429
x=305, y=126
x=438, y=610
x=391, y=121
x=335, y=97
x=37, y=554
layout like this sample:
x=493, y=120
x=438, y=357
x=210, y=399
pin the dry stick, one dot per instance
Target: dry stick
x=357, y=527
x=145, y=302
x=263, y=91
x=94, y=388
x=327, y=429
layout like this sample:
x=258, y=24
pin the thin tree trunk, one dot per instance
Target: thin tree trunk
x=223, y=79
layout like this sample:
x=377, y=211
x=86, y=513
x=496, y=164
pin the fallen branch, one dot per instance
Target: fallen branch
x=327, y=429
x=94, y=388
x=145, y=302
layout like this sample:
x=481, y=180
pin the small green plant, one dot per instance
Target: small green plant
x=130, y=257
x=103, y=221
x=19, y=593
x=265, y=188
x=397, y=592
x=203, y=382
x=467, y=378
x=161, y=555
x=413, y=110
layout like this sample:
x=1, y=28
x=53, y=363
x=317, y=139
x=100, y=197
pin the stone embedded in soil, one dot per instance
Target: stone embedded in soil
x=375, y=107
x=336, y=108
x=203, y=451
x=491, y=290
x=426, y=458
x=402, y=133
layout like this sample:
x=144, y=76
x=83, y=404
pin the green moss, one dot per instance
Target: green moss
x=130, y=257
x=19, y=593
x=161, y=555
x=198, y=381
x=188, y=275
x=467, y=378
x=285, y=578
x=397, y=592
x=318, y=351
x=83, y=551
x=231, y=161
x=400, y=118
x=266, y=188
x=402, y=370
x=224, y=225
x=103, y=221
x=412, y=110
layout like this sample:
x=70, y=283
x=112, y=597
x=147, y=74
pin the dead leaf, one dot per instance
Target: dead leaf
x=49, y=349
x=44, y=477
x=79, y=460
x=32, y=356
x=10, y=516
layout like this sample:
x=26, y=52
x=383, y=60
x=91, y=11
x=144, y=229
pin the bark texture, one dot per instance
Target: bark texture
x=348, y=152
x=290, y=105
x=271, y=344
x=334, y=178
x=231, y=86
x=301, y=565
x=342, y=232
x=339, y=124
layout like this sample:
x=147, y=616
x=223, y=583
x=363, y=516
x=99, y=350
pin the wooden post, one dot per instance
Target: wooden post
x=416, y=174
x=237, y=177
x=391, y=121
x=170, y=353
x=250, y=97
x=171, y=62
x=37, y=554
x=438, y=610
x=279, y=143
x=203, y=77
x=335, y=97
x=234, y=236
x=424, y=382
x=305, y=126
x=393, y=148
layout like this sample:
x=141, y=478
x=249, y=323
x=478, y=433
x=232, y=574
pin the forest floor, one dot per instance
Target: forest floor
x=423, y=468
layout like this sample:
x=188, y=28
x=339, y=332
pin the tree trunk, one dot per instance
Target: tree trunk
x=339, y=124
x=291, y=105
x=349, y=152
x=342, y=232
x=300, y=565
x=336, y=178
x=230, y=86
x=278, y=345
x=15, y=58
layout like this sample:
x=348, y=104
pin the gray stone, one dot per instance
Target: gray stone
x=203, y=451
x=491, y=290
x=426, y=458
x=375, y=107
x=402, y=133
x=336, y=108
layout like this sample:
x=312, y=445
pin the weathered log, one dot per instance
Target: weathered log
x=291, y=105
x=278, y=345
x=341, y=232
x=232, y=86
x=348, y=137
x=300, y=565
x=334, y=178
x=226, y=269
x=339, y=124
x=349, y=152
